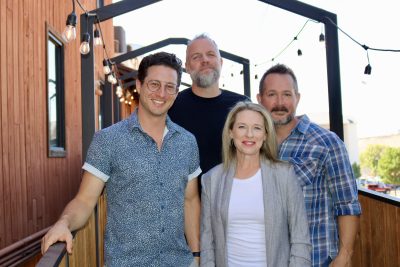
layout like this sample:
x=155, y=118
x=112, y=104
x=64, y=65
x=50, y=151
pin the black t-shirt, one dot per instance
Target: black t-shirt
x=205, y=118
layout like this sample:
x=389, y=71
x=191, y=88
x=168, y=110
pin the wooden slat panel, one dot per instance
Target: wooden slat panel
x=378, y=243
x=3, y=120
x=10, y=178
x=84, y=253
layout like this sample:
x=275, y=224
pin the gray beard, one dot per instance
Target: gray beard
x=285, y=121
x=204, y=81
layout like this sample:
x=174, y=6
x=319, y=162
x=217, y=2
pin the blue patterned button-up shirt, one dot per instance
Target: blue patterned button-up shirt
x=322, y=165
x=145, y=191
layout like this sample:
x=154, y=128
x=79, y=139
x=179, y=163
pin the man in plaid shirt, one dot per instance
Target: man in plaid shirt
x=322, y=165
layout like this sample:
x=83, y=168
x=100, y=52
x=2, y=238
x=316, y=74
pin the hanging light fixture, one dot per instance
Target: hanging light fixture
x=322, y=37
x=110, y=78
x=106, y=66
x=97, y=38
x=299, y=52
x=85, y=45
x=69, y=32
x=368, y=68
x=118, y=91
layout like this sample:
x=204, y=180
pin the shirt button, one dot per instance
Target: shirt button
x=161, y=184
x=162, y=230
x=162, y=207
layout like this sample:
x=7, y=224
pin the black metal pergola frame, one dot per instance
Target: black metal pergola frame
x=108, y=12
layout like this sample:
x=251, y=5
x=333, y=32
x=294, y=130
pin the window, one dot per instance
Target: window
x=55, y=96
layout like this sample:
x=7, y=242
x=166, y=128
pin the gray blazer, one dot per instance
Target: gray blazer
x=286, y=226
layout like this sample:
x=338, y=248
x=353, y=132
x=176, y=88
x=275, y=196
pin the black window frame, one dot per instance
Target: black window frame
x=57, y=150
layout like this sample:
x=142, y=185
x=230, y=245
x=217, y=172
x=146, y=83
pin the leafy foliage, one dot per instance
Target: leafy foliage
x=389, y=165
x=356, y=169
x=370, y=157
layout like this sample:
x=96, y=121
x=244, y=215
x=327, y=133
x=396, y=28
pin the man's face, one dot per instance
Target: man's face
x=157, y=103
x=279, y=98
x=203, y=63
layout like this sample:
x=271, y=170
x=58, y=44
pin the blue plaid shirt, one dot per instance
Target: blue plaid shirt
x=323, y=168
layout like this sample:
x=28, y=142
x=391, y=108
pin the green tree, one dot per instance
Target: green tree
x=389, y=165
x=370, y=157
x=356, y=169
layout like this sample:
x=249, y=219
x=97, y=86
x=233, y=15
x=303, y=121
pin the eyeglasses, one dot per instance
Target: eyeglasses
x=154, y=86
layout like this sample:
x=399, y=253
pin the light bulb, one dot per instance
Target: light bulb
x=322, y=37
x=122, y=99
x=85, y=46
x=69, y=32
x=118, y=91
x=106, y=66
x=299, y=52
x=110, y=78
x=97, y=39
x=114, y=81
x=368, y=69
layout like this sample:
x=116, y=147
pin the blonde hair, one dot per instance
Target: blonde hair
x=269, y=148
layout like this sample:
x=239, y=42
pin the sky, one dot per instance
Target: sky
x=258, y=31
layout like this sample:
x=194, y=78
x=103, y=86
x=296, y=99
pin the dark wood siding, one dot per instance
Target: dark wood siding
x=378, y=242
x=33, y=187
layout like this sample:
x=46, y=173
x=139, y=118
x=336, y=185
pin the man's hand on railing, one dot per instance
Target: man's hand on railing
x=59, y=232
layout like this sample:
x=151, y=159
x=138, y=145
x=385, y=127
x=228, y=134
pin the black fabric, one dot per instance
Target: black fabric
x=205, y=118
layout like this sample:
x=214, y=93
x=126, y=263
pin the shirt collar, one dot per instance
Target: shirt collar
x=303, y=124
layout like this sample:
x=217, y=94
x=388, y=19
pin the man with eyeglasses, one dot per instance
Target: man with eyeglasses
x=202, y=109
x=149, y=167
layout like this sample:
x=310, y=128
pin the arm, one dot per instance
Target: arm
x=300, y=250
x=76, y=213
x=192, y=215
x=345, y=202
x=348, y=229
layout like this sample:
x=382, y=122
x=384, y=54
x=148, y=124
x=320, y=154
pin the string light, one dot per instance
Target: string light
x=97, y=40
x=85, y=46
x=106, y=66
x=368, y=68
x=118, y=91
x=69, y=32
x=299, y=52
x=322, y=37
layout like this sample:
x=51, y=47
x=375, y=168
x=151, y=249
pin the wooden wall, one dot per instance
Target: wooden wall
x=33, y=187
x=378, y=244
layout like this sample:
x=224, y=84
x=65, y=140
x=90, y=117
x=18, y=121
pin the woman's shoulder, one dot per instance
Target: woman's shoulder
x=214, y=172
x=278, y=165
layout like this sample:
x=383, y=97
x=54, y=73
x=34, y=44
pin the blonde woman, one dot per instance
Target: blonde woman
x=253, y=210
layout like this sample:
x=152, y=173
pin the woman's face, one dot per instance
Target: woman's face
x=248, y=133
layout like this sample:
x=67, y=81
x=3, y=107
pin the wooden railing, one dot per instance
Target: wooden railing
x=378, y=243
x=22, y=251
x=88, y=245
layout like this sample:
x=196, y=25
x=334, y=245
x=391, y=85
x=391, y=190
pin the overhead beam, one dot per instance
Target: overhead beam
x=332, y=55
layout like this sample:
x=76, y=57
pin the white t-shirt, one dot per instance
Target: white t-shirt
x=246, y=225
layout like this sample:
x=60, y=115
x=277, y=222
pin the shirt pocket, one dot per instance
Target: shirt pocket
x=309, y=162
